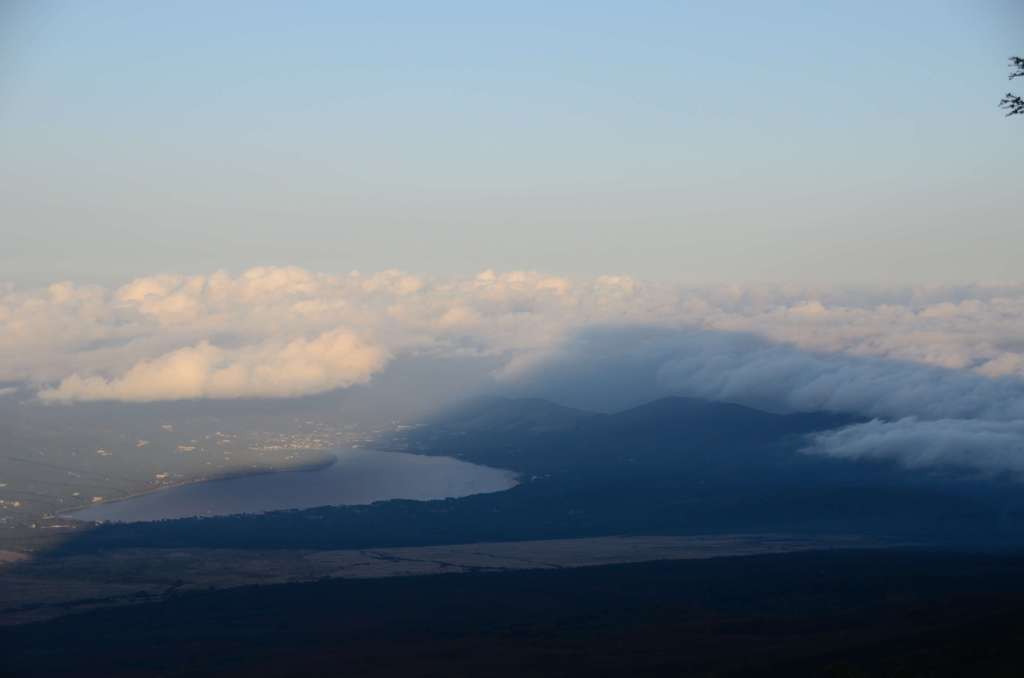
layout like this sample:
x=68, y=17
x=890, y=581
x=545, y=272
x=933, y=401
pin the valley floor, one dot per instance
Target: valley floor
x=47, y=587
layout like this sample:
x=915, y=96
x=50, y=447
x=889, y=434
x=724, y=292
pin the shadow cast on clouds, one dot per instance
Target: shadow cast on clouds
x=938, y=368
x=920, y=415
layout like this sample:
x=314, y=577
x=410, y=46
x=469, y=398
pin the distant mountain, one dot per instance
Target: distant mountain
x=508, y=415
x=691, y=416
x=537, y=436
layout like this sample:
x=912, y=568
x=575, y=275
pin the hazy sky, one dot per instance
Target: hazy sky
x=831, y=141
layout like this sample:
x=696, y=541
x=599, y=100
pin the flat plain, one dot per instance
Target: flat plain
x=36, y=589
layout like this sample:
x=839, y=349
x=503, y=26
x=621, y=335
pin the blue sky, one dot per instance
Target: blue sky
x=830, y=142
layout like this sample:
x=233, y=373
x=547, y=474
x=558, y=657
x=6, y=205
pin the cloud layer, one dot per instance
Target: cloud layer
x=940, y=368
x=48, y=334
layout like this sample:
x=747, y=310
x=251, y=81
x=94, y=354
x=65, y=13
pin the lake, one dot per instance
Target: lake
x=358, y=476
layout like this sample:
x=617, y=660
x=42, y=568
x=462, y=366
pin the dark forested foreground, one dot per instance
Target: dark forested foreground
x=839, y=613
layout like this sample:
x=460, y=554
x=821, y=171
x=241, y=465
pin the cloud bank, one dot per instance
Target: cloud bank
x=646, y=362
x=299, y=367
x=924, y=362
x=991, y=446
x=923, y=415
x=50, y=333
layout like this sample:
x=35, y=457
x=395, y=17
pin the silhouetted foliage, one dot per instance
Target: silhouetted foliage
x=1014, y=104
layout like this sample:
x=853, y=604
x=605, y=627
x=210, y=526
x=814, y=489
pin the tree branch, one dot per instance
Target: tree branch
x=1011, y=103
x=1017, y=63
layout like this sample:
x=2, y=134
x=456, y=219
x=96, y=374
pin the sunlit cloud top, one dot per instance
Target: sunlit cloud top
x=278, y=332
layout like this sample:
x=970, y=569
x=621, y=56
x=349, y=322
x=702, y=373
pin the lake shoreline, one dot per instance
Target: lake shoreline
x=370, y=475
x=316, y=465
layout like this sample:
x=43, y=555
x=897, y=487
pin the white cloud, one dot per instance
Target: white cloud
x=172, y=336
x=990, y=446
x=298, y=367
x=747, y=369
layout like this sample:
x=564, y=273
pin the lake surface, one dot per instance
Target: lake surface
x=358, y=476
